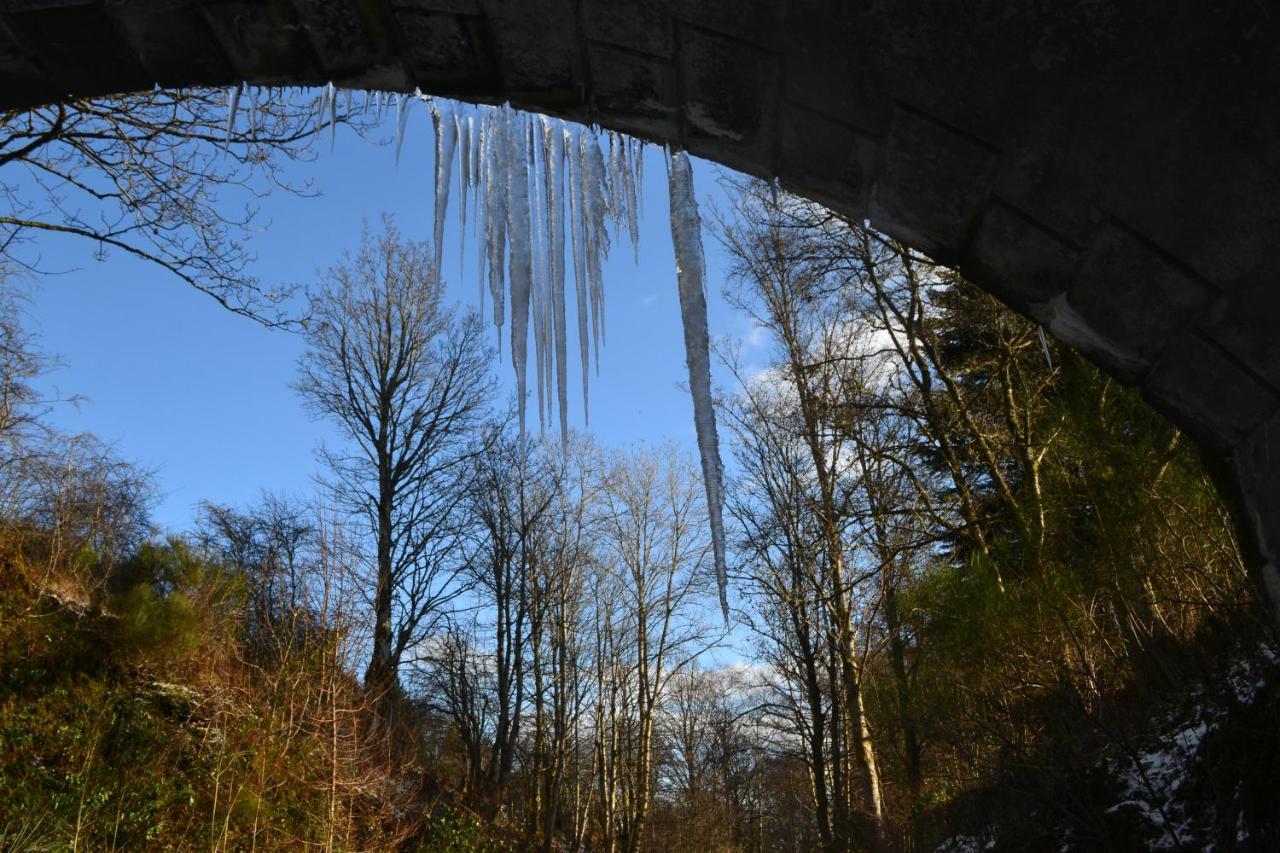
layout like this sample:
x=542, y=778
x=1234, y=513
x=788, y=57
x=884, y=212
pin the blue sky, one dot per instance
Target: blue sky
x=201, y=396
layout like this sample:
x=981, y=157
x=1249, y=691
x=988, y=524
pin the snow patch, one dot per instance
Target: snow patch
x=700, y=118
x=967, y=843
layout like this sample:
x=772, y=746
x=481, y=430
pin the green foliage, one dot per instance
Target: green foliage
x=95, y=753
x=961, y=608
x=94, y=761
x=175, y=567
x=169, y=598
x=159, y=629
x=1027, y=663
x=450, y=830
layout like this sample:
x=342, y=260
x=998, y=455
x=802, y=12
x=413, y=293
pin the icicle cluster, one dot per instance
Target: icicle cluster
x=537, y=185
x=516, y=170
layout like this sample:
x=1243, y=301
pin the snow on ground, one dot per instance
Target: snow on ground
x=967, y=844
x=1153, y=776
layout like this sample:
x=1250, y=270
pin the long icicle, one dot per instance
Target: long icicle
x=521, y=261
x=402, y=118
x=629, y=197
x=639, y=165
x=496, y=166
x=462, y=131
x=445, y=143
x=333, y=118
x=233, y=104
x=538, y=295
x=553, y=151
x=686, y=236
x=595, y=228
x=577, y=241
x=481, y=215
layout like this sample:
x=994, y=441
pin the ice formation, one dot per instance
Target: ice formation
x=535, y=184
x=446, y=141
x=233, y=104
x=686, y=237
x=1044, y=344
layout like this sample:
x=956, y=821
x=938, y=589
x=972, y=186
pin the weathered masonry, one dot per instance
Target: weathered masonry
x=1111, y=169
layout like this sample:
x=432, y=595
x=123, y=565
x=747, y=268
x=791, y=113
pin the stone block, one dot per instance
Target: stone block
x=828, y=64
x=827, y=157
x=81, y=49
x=171, y=40
x=21, y=79
x=456, y=7
x=339, y=35
x=265, y=42
x=1257, y=468
x=634, y=92
x=932, y=183
x=1018, y=259
x=537, y=48
x=730, y=98
x=1134, y=295
x=640, y=25
x=1215, y=399
x=1245, y=323
x=447, y=53
x=759, y=22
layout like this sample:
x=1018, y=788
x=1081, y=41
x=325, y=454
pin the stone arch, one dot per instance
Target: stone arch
x=1108, y=169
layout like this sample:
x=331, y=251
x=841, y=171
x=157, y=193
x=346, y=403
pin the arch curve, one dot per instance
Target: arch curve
x=1108, y=169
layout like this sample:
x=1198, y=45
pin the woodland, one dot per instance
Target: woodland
x=981, y=595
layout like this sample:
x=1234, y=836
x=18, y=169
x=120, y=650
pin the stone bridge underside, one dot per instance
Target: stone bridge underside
x=1110, y=169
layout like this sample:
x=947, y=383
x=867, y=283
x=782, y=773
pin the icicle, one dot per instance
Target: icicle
x=463, y=130
x=496, y=210
x=553, y=150
x=629, y=199
x=686, y=237
x=613, y=176
x=521, y=261
x=597, y=234
x=639, y=166
x=253, y=110
x=482, y=233
x=574, y=151
x=545, y=312
x=548, y=286
x=1044, y=343
x=545, y=267
x=538, y=300
x=322, y=109
x=333, y=117
x=402, y=117
x=233, y=104
x=445, y=142
x=473, y=129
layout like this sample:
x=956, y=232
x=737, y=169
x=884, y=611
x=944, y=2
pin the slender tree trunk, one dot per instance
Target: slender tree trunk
x=906, y=715
x=380, y=676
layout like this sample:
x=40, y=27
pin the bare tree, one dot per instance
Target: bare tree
x=164, y=175
x=269, y=545
x=21, y=362
x=654, y=554
x=793, y=286
x=408, y=384
x=510, y=492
